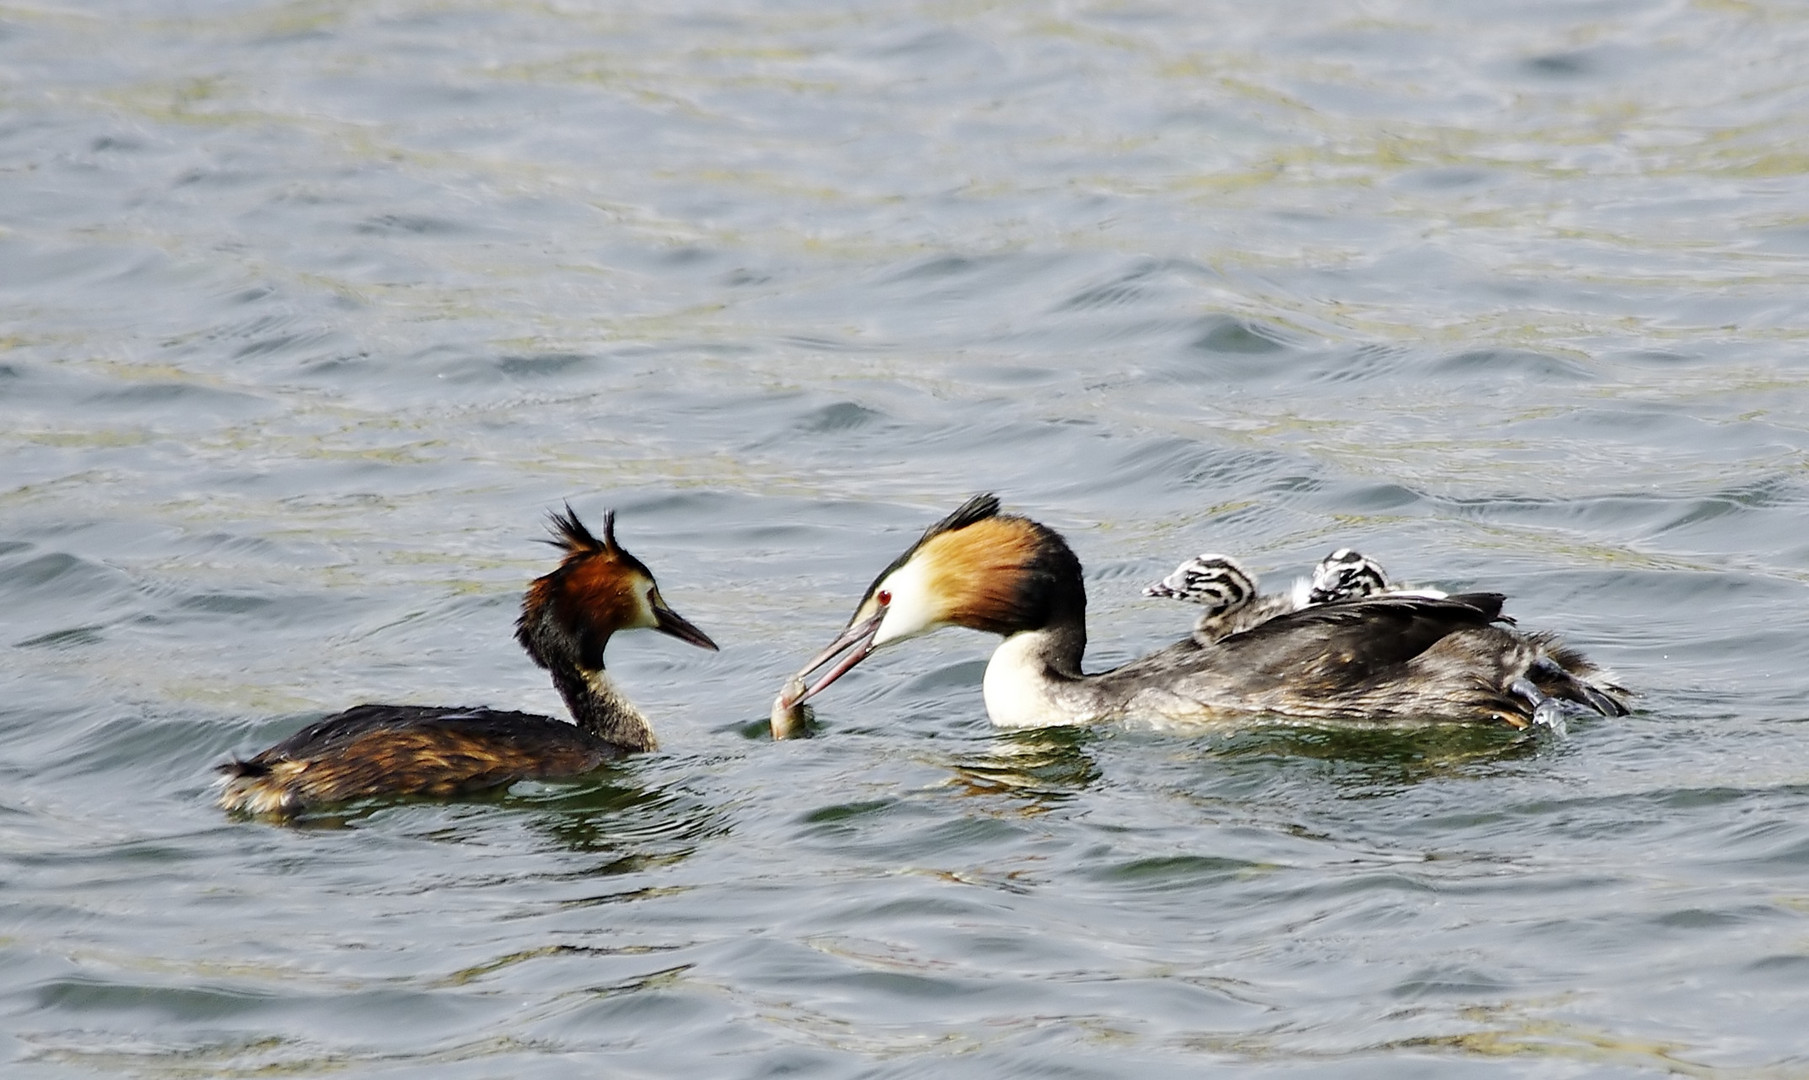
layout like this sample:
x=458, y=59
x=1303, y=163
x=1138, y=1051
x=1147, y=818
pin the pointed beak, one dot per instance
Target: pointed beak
x=857, y=641
x=667, y=621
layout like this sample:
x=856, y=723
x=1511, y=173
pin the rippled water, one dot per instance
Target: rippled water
x=310, y=311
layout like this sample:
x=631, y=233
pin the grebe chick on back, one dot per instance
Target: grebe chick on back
x=1233, y=604
x=1227, y=592
x=1380, y=659
x=567, y=618
x=1351, y=575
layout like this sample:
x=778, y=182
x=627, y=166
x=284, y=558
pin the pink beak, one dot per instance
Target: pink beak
x=857, y=640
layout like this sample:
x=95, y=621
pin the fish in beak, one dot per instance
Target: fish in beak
x=856, y=641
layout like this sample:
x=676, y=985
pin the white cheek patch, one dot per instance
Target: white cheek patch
x=643, y=596
x=913, y=609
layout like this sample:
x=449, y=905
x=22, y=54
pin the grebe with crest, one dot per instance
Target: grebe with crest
x=1389, y=658
x=567, y=618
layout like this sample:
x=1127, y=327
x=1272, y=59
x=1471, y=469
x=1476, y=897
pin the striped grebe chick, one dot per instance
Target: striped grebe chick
x=1349, y=575
x=566, y=620
x=1226, y=591
x=1233, y=603
x=1381, y=659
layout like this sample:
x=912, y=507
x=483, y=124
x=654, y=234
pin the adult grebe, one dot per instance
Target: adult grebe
x=1232, y=603
x=1380, y=659
x=567, y=618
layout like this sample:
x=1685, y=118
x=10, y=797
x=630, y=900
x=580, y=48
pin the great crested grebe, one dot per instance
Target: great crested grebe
x=567, y=618
x=1380, y=659
x=1232, y=603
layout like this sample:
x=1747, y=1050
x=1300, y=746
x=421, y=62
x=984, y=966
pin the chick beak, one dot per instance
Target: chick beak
x=667, y=621
x=857, y=639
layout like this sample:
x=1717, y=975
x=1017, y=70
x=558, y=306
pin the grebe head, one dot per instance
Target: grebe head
x=1217, y=582
x=976, y=568
x=1346, y=575
x=568, y=615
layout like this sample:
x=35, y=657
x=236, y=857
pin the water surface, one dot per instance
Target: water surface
x=311, y=310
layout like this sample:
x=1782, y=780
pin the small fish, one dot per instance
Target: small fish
x=790, y=717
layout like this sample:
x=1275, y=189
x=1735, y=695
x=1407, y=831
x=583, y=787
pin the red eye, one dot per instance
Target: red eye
x=884, y=597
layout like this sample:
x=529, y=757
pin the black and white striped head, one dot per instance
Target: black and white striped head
x=1347, y=575
x=1216, y=582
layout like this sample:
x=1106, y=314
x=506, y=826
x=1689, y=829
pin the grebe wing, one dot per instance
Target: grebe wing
x=1331, y=648
x=1413, y=617
x=331, y=734
x=1361, y=637
x=406, y=749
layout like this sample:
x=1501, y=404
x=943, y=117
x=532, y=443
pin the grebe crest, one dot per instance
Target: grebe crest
x=569, y=615
x=977, y=568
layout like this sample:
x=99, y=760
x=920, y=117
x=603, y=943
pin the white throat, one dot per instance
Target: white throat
x=913, y=609
x=1018, y=690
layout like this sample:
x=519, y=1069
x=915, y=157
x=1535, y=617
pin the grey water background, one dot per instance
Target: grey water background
x=311, y=310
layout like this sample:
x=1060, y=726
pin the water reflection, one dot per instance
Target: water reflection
x=1043, y=768
x=1040, y=769
x=299, y=342
x=633, y=825
x=636, y=825
x=1373, y=761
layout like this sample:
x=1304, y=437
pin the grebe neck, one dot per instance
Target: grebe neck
x=601, y=709
x=1034, y=679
